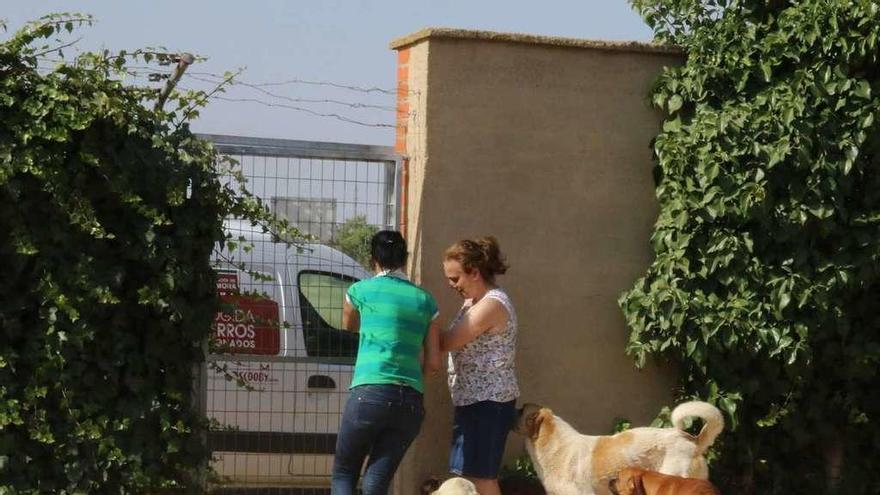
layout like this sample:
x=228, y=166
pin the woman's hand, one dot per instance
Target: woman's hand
x=433, y=356
x=487, y=315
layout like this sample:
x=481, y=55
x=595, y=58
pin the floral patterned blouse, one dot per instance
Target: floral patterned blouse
x=484, y=368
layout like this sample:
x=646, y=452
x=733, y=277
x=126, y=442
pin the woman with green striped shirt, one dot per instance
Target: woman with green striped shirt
x=399, y=341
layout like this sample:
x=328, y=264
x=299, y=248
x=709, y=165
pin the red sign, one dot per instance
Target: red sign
x=247, y=324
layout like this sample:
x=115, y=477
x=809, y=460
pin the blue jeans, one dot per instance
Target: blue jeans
x=380, y=421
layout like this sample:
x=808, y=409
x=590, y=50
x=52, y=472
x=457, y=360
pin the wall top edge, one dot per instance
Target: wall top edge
x=531, y=39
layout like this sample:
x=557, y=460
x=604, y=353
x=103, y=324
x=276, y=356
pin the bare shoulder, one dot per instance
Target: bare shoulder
x=492, y=304
x=492, y=311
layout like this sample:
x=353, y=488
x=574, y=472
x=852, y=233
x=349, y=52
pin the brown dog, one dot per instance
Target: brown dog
x=634, y=481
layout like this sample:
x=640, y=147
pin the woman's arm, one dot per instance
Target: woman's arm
x=433, y=356
x=486, y=315
x=351, y=319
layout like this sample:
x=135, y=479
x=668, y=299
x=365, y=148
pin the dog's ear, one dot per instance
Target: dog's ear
x=543, y=421
x=534, y=421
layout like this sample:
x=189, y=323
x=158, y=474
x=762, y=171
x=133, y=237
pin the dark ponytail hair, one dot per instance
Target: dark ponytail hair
x=481, y=254
x=388, y=250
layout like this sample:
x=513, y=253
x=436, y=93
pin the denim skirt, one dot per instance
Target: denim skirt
x=479, y=432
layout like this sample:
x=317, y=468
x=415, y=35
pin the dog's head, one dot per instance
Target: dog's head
x=627, y=482
x=531, y=419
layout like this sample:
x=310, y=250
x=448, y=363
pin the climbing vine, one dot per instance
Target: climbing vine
x=765, y=283
x=111, y=210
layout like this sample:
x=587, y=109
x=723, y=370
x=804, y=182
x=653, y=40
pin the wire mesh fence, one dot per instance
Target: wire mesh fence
x=280, y=365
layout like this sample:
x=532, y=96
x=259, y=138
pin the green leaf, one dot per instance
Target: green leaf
x=863, y=90
x=852, y=152
x=727, y=405
x=766, y=70
x=673, y=125
x=675, y=103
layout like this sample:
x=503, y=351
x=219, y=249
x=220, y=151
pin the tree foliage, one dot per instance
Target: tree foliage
x=765, y=283
x=353, y=238
x=110, y=214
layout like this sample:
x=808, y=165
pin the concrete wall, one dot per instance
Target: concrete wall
x=545, y=144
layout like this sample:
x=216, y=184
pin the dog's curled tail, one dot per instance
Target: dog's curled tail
x=711, y=416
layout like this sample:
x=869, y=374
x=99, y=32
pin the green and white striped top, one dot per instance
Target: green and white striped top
x=395, y=315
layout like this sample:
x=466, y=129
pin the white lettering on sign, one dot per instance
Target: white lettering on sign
x=248, y=325
x=226, y=285
x=235, y=331
x=238, y=325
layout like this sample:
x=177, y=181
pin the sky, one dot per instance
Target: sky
x=318, y=70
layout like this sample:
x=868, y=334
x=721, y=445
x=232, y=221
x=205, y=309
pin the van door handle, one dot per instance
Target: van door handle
x=321, y=382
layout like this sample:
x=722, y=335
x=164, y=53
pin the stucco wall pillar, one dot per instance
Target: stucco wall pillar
x=545, y=144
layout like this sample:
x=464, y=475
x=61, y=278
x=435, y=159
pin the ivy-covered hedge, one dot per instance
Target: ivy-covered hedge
x=766, y=282
x=110, y=211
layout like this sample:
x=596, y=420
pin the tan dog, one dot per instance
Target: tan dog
x=571, y=463
x=634, y=481
x=452, y=486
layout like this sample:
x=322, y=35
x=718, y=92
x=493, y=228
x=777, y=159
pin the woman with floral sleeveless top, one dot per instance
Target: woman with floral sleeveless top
x=482, y=377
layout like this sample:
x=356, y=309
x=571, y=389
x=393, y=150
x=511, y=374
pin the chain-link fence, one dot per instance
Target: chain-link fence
x=277, y=378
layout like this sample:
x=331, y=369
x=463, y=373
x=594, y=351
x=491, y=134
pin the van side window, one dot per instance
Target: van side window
x=320, y=298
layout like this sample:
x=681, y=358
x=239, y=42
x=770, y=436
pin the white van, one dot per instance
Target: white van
x=279, y=382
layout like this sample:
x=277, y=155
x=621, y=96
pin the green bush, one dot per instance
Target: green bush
x=521, y=469
x=767, y=247
x=110, y=214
